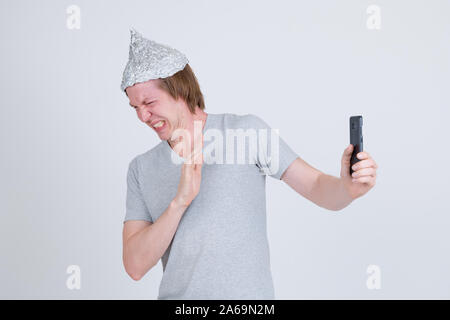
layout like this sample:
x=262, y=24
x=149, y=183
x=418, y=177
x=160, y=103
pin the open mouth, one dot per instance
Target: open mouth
x=159, y=125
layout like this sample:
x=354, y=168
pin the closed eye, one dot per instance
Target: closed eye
x=148, y=103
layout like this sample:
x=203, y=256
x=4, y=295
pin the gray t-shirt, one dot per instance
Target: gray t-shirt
x=220, y=249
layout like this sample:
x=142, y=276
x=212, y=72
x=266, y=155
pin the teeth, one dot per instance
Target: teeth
x=159, y=124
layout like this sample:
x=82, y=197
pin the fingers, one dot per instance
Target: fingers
x=364, y=164
x=370, y=180
x=198, y=165
x=194, y=156
x=363, y=155
x=345, y=160
x=348, y=151
x=197, y=156
x=192, y=153
x=178, y=148
x=365, y=172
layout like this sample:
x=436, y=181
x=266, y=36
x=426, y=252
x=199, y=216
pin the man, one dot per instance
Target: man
x=206, y=220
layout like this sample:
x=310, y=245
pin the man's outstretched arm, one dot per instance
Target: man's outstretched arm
x=330, y=192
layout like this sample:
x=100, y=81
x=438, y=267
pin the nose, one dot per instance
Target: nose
x=145, y=115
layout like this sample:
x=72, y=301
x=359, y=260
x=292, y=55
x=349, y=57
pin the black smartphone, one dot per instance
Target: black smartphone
x=356, y=138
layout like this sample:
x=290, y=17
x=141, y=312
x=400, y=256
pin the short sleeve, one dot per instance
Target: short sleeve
x=136, y=208
x=273, y=154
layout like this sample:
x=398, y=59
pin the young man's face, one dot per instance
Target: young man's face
x=153, y=104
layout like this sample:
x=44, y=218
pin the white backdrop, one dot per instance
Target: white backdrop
x=68, y=134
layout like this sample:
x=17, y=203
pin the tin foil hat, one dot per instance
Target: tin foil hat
x=149, y=60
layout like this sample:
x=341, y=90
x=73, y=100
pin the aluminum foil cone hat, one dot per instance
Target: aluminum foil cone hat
x=149, y=60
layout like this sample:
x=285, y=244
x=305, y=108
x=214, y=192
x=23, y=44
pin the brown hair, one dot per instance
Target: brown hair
x=184, y=84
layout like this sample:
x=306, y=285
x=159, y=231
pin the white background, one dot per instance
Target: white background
x=68, y=134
